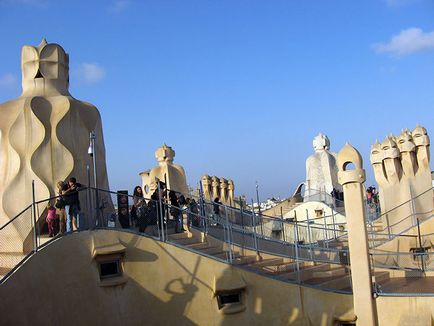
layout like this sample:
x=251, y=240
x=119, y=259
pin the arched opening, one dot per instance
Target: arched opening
x=349, y=166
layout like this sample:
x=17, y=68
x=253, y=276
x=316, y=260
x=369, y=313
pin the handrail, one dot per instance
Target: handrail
x=406, y=202
x=30, y=205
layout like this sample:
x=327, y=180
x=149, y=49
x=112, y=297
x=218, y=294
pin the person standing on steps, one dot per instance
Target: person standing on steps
x=137, y=201
x=175, y=211
x=216, y=210
x=60, y=206
x=73, y=201
x=51, y=220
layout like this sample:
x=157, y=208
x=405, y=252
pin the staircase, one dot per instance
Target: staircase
x=334, y=277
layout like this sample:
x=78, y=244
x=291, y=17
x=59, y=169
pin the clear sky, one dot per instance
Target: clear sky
x=238, y=88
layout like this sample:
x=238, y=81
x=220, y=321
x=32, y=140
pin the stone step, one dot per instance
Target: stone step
x=344, y=282
x=380, y=277
x=267, y=262
x=212, y=250
x=340, y=271
x=244, y=260
x=198, y=246
x=178, y=236
x=283, y=268
x=338, y=283
x=376, y=227
x=306, y=272
x=187, y=241
x=338, y=244
x=379, y=239
x=225, y=255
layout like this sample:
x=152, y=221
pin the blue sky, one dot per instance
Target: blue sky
x=238, y=88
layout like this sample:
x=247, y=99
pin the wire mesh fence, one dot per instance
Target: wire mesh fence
x=17, y=240
x=419, y=259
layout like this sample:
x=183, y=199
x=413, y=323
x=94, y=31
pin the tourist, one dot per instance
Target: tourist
x=124, y=219
x=334, y=194
x=137, y=200
x=51, y=220
x=60, y=206
x=175, y=211
x=73, y=201
x=216, y=210
x=369, y=195
x=374, y=195
x=193, y=213
x=163, y=189
x=183, y=209
x=148, y=216
x=141, y=211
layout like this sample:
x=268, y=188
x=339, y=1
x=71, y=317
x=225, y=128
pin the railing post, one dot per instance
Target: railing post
x=242, y=217
x=372, y=234
x=283, y=224
x=422, y=250
x=296, y=240
x=91, y=220
x=388, y=226
x=35, y=240
x=255, y=240
x=243, y=243
x=334, y=223
x=259, y=210
x=325, y=230
x=229, y=235
x=160, y=204
x=92, y=152
x=309, y=235
x=202, y=208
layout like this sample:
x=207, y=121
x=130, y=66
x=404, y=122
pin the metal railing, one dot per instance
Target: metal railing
x=236, y=230
x=411, y=218
x=27, y=232
x=300, y=244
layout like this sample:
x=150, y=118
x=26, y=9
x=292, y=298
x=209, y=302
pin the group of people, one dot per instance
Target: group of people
x=65, y=214
x=371, y=195
x=337, y=194
x=145, y=213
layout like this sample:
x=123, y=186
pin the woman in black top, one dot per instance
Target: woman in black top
x=137, y=201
